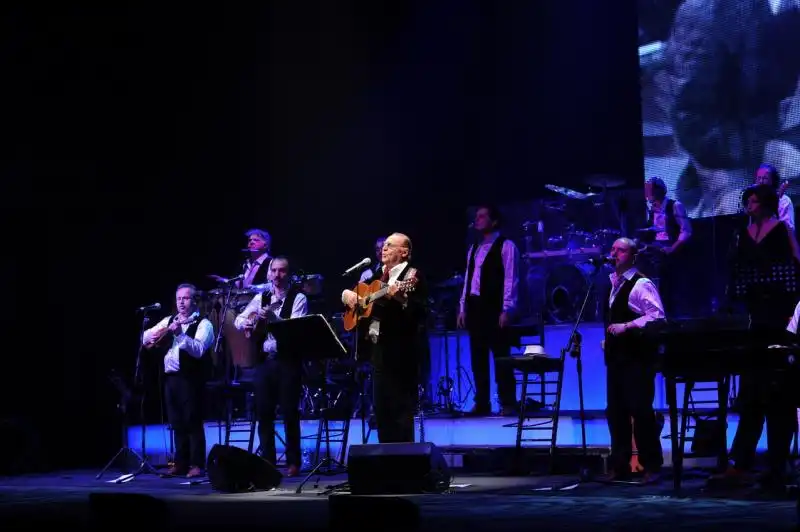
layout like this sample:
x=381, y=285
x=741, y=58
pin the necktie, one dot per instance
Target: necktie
x=618, y=280
x=385, y=276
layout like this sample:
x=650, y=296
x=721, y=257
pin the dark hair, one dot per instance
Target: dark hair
x=766, y=196
x=493, y=212
x=284, y=258
x=774, y=175
x=658, y=184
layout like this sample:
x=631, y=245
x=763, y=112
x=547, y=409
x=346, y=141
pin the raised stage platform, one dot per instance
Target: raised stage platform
x=450, y=356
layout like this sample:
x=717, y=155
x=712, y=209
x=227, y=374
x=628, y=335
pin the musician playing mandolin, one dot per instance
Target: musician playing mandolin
x=188, y=338
x=397, y=340
x=277, y=381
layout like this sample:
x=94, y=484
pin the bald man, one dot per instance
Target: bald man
x=633, y=302
x=397, y=337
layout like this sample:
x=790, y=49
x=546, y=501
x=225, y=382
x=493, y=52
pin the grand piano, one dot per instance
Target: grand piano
x=711, y=350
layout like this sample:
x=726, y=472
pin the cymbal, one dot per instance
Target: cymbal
x=604, y=181
x=568, y=192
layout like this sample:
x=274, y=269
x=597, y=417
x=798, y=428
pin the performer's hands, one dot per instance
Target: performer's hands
x=174, y=327
x=503, y=321
x=394, y=291
x=461, y=320
x=350, y=298
x=262, y=313
x=616, y=329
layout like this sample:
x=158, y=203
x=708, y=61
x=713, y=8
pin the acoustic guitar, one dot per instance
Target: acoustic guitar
x=159, y=336
x=367, y=295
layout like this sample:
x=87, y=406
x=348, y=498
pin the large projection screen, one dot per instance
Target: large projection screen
x=720, y=96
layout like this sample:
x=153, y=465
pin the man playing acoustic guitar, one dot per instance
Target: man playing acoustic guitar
x=188, y=338
x=396, y=333
x=276, y=380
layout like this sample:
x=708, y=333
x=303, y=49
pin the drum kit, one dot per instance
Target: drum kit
x=559, y=271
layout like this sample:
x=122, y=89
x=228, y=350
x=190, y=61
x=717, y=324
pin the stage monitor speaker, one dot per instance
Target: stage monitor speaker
x=397, y=468
x=234, y=470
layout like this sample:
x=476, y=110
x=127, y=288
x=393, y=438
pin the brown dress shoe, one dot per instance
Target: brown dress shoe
x=194, y=472
x=292, y=471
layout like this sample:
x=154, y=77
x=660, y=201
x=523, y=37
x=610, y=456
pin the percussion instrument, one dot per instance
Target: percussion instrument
x=311, y=284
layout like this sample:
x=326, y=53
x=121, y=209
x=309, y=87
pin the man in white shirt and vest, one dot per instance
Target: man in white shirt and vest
x=186, y=365
x=277, y=380
x=633, y=301
x=488, y=304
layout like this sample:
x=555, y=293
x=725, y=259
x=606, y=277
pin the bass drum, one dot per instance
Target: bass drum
x=565, y=289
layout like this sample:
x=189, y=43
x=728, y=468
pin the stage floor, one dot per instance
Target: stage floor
x=475, y=503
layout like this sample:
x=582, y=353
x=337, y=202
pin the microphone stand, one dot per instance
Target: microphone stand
x=574, y=348
x=138, y=382
x=364, y=377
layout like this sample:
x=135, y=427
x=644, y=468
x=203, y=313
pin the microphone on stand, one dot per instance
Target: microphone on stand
x=364, y=262
x=154, y=306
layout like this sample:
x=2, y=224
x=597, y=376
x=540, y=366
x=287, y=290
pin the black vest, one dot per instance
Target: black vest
x=492, y=276
x=288, y=303
x=262, y=272
x=198, y=367
x=397, y=323
x=630, y=345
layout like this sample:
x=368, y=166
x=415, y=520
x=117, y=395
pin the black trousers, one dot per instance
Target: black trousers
x=395, y=389
x=764, y=395
x=183, y=395
x=278, y=383
x=486, y=335
x=630, y=391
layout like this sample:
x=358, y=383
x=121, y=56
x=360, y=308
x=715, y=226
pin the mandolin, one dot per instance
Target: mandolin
x=256, y=324
x=367, y=295
x=162, y=333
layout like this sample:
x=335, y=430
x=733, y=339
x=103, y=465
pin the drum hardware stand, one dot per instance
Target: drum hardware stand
x=126, y=450
x=574, y=348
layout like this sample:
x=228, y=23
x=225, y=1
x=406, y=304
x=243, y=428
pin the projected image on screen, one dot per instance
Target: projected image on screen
x=720, y=96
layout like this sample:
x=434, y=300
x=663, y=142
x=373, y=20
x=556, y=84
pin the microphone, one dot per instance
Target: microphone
x=599, y=261
x=364, y=262
x=234, y=279
x=471, y=226
x=154, y=306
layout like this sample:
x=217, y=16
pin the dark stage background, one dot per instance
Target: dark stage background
x=141, y=143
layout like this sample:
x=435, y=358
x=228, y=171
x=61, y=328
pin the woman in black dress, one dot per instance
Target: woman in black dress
x=765, y=246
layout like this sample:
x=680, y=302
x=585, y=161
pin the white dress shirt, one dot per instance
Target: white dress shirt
x=196, y=347
x=644, y=298
x=510, y=258
x=786, y=212
x=792, y=327
x=300, y=308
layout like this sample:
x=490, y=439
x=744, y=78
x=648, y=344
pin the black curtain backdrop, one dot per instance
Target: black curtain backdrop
x=141, y=143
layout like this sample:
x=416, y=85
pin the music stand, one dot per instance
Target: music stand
x=308, y=338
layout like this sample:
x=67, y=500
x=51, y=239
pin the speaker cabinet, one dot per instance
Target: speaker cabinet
x=397, y=468
x=234, y=470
